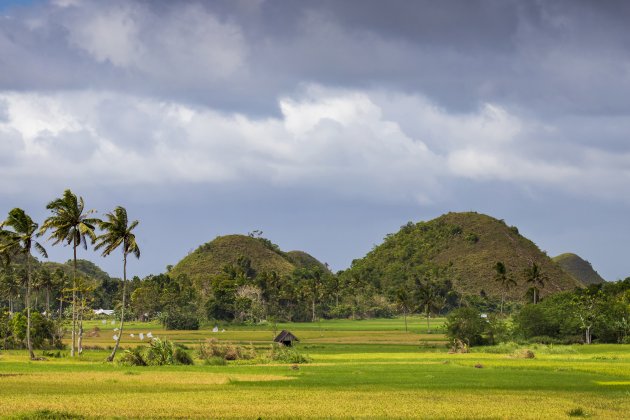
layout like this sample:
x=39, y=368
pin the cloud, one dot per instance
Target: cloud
x=347, y=142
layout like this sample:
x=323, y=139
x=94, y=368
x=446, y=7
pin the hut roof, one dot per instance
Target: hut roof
x=285, y=336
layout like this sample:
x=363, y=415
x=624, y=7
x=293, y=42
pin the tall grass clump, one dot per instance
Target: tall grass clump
x=213, y=349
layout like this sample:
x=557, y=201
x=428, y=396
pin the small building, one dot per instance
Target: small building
x=285, y=338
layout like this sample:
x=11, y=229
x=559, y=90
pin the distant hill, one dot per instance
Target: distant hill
x=464, y=245
x=210, y=258
x=84, y=267
x=579, y=268
x=302, y=259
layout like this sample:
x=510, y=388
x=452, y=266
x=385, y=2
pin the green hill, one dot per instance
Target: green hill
x=210, y=258
x=579, y=268
x=464, y=247
x=302, y=259
x=84, y=268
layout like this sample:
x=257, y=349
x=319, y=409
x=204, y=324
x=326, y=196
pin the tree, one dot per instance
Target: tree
x=117, y=231
x=466, y=324
x=70, y=224
x=587, y=309
x=507, y=282
x=20, y=239
x=9, y=286
x=537, y=278
x=404, y=303
x=427, y=295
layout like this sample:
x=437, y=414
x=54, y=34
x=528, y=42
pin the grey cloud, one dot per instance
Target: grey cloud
x=4, y=111
x=549, y=58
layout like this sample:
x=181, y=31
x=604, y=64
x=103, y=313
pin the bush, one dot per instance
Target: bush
x=283, y=354
x=159, y=353
x=215, y=361
x=181, y=357
x=179, y=321
x=133, y=357
x=45, y=333
x=466, y=324
x=213, y=348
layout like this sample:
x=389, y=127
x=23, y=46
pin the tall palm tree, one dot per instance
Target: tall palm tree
x=507, y=282
x=20, y=239
x=70, y=224
x=427, y=294
x=117, y=231
x=537, y=278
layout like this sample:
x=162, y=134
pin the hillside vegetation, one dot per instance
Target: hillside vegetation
x=579, y=268
x=462, y=247
x=210, y=258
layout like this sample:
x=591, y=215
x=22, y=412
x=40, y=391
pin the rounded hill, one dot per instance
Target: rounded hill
x=579, y=268
x=210, y=259
x=465, y=248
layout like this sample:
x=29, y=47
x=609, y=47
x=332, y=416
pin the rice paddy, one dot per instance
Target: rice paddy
x=359, y=369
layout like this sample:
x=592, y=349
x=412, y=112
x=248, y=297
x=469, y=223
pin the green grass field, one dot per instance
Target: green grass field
x=359, y=369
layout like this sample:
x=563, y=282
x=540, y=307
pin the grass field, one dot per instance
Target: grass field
x=359, y=369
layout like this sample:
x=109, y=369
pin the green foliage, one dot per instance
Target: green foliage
x=283, y=354
x=133, y=357
x=158, y=353
x=445, y=244
x=466, y=324
x=177, y=320
x=211, y=258
x=45, y=333
x=212, y=349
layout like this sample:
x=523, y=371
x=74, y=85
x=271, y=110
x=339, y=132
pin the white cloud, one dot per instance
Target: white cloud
x=346, y=142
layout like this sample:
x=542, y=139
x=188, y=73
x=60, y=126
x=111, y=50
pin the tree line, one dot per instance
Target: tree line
x=69, y=224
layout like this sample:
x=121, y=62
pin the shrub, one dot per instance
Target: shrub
x=181, y=357
x=133, y=357
x=466, y=324
x=577, y=412
x=159, y=353
x=179, y=321
x=215, y=361
x=283, y=354
x=226, y=351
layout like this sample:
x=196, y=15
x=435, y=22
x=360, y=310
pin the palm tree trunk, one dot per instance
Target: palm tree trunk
x=313, y=310
x=502, y=299
x=428, y=321
x=48, y=302
x=74, y=300
x=29, y=344
x=80, y=322
x=122, y=311
x=405, y=315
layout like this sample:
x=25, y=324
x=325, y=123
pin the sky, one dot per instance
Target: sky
x=325, y=124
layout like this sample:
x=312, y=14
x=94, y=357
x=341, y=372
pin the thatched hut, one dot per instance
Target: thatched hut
x=285, y=338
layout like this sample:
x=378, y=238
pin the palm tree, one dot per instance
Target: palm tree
x=70, y=224
x=427, y=294
x=535, y=276
x=404, y=302
x=117, y=232
x=46, y=282
x=9, y=286
x=501, y=275
x=20, y=239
